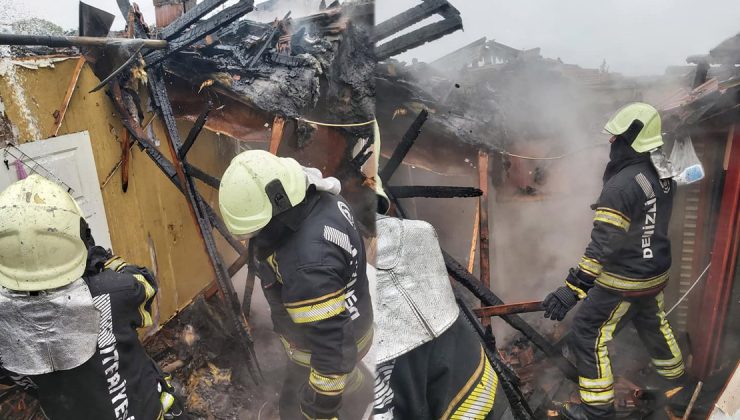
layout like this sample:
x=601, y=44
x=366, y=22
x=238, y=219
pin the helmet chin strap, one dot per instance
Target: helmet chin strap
x=277, y=196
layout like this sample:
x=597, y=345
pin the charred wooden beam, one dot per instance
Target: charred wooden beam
x=509, y=379
x=404, y=146
x=459, y=273
x=434, y=191
x=133, y=58
x=195, y=131
x=266, y=43
x=132, y=15
x=418, y=37
x=195, y=14
x=197, y=206
x=200, y=31
x=164, y=164
x=405, y=19
x=202, y=175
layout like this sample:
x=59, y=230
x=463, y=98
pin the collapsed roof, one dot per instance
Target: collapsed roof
x=490, y=95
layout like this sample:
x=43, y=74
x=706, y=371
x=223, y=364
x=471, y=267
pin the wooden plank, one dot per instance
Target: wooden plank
x=484, y=255
x=407, y=18
x=59, y=115
x=509, y=308
x=278, y=125
x=474, y=241
x=417, y=37
x=483, y=229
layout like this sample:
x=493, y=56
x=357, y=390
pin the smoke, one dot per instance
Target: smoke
x=275, y=9
x=539, y=209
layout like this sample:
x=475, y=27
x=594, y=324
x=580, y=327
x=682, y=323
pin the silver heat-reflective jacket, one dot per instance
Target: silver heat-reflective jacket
x=415, y=299
x=49, y=331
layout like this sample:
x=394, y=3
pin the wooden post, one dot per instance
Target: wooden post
x=485, y=272
x=59, y=115
x=278, y=125
x=474, y=241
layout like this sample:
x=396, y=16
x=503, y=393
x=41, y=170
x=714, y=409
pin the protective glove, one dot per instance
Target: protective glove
x=317, y=406
x=558, y=303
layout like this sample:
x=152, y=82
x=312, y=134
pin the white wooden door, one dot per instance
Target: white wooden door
x=67, y=160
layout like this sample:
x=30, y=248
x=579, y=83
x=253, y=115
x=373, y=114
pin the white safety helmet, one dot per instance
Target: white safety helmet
x=256, y=186
x=40, y=243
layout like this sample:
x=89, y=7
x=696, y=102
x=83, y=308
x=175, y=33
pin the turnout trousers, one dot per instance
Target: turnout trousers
x=357, y=397
x=594, y=325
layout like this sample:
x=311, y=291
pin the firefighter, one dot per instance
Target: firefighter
x=69, y=312
x=625, y=266
x=311, y=261
x=430, y=362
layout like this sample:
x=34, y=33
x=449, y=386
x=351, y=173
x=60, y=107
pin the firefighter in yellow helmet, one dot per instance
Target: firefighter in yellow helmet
x=69, y=312
x=311, y=262
x=625, y=266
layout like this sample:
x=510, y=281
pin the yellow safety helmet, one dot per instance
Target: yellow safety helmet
x=649, y=137
x=256, y=186
x=40, y=243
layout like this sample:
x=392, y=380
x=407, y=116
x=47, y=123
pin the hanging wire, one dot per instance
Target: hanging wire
x=34, y=167
x=505, y=153
x=688, y=291
x=336, y=125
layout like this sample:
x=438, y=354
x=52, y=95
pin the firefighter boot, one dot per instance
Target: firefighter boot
x=573, y=411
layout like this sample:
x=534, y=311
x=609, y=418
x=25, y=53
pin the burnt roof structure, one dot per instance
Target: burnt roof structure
x=490, y=95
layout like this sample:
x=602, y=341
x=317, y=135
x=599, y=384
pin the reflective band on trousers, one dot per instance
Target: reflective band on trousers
x=479, y=401
x=621, y=283
x=303, y=357
x=327, y=384
x=600, y=390
x=596, y=391
x=673, y=367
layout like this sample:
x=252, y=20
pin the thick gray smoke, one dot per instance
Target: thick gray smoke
x=539, y=209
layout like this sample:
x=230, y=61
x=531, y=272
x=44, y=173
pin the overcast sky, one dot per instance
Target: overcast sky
x=635, y=37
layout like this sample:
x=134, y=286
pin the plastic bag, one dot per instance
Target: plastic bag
x=686, y=165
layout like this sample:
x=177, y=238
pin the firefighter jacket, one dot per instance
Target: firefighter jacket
x=629, y=249
x=311, y=261
x=120, y=381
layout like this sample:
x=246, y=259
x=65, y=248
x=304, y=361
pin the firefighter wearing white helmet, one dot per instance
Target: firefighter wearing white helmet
x=625, y=267
x=311, y=263
x=40, y=244
x=69, y=312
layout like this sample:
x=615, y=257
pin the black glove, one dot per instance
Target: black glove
x=559, y=302
x=319, y=406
